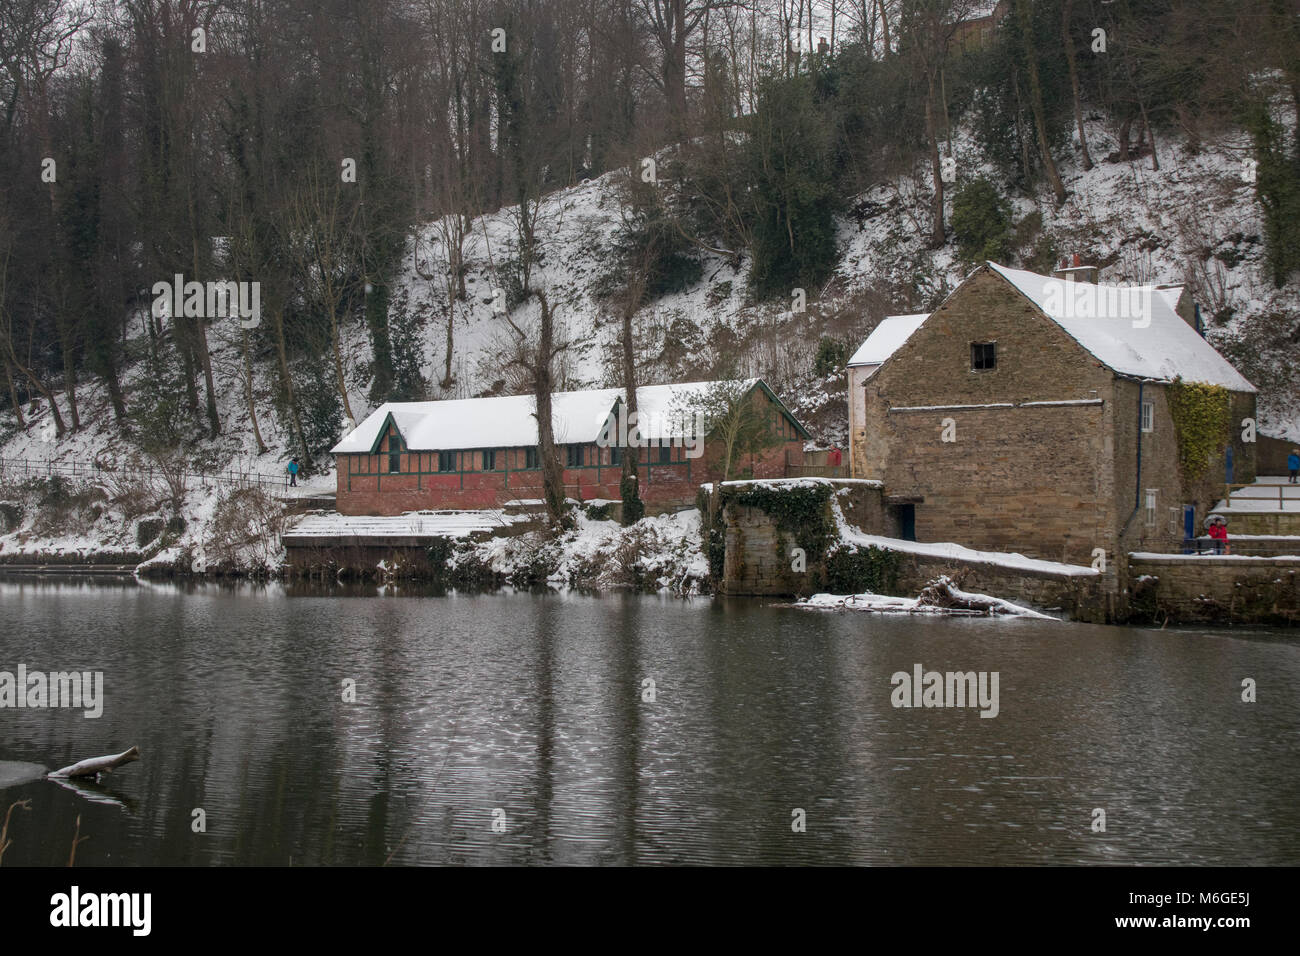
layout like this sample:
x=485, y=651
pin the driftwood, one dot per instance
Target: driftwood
x=94, y=766
x=940, y=593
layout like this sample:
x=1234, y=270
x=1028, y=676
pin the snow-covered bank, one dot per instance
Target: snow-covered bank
x=661, y=553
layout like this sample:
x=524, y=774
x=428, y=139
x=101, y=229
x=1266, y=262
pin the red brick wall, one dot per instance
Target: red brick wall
x=666, y=484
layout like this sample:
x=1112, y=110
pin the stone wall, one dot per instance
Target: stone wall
x=1272, y=454
x=1079, y=597
x=1215, y=590
x=758, y=562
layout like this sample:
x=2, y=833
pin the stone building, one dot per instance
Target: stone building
x=482, y=452
x=1032, y=414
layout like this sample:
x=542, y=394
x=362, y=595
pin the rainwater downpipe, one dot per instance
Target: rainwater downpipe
x=1137, y=491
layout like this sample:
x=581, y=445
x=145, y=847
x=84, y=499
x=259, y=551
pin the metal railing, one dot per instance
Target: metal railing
x=816, y=471
x=23, y=468
x=1265, y=493
x=1241, y=545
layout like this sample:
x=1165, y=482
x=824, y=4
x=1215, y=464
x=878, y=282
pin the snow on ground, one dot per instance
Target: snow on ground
x=414, y=524
x=1268, y=495
x=851, y=535
x=660, y=553
x=1167, y=558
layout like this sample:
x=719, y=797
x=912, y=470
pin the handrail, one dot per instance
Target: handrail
x=35, y=468
x=1281, y=487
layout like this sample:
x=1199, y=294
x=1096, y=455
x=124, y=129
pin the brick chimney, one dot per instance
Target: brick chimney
x=1076, y=271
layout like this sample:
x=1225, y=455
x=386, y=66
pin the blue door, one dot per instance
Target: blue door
x=1189, y=528
x=1227, y=458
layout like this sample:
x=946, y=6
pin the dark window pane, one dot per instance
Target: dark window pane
x=665, y=454
x=983, y=356
x=530, y=458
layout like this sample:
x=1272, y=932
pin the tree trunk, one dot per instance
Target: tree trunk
x=937, y=234
x=338, y=364
x=248, y=392
x=1074, y=81
x=629, y=487
x=282, y=360
x=543, y=387
x=59, y=427
x=1036, y=97
x=201, y=335
x=1150, y=137
x=70, y=385
x=13, y=395
x=451, y=326
x=1125, y=127
x=115, y=391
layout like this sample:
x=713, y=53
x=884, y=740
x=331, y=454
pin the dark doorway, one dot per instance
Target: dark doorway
x=907, y=522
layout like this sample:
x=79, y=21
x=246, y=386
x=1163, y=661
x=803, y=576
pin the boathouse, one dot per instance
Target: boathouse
x=482, y=452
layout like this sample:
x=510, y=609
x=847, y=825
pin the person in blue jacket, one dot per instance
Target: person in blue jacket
x=293, y=472
x=1293, y=464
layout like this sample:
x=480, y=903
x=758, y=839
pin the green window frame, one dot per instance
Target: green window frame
x=489, y=459
x=446, y=461
x=532, y=459
x=394, y=452
x=573, y=456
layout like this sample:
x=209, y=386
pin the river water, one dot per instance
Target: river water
x=521, y=729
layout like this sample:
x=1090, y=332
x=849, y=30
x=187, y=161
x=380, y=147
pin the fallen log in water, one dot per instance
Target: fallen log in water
x=942, y=593
x=97, y=765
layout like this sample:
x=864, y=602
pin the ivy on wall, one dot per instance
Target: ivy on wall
x=851, y=570
x=1202, y=421
x=803, y=512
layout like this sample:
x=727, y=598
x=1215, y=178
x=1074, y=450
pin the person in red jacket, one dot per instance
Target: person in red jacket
x=1218, y=531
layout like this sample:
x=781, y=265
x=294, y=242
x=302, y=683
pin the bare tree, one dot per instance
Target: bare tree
x=534, y=357
x=1072, y=65
x=321, y=237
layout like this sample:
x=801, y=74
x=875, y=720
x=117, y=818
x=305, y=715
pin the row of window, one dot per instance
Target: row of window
x=575, y=457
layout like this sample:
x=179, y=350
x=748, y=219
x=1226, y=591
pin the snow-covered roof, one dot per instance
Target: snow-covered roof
x=1170, y=293
x=1133, y=330
x=886, y=338
x=508, y=421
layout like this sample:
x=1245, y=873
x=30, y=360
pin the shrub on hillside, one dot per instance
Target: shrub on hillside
x=981, y=223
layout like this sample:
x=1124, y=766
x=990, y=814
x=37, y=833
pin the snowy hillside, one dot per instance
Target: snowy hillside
x=1195, y=219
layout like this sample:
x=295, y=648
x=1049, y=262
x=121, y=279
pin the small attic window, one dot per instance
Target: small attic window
x=983, y=356
x=394, y=452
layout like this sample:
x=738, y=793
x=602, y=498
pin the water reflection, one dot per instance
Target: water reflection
x=533, y=713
